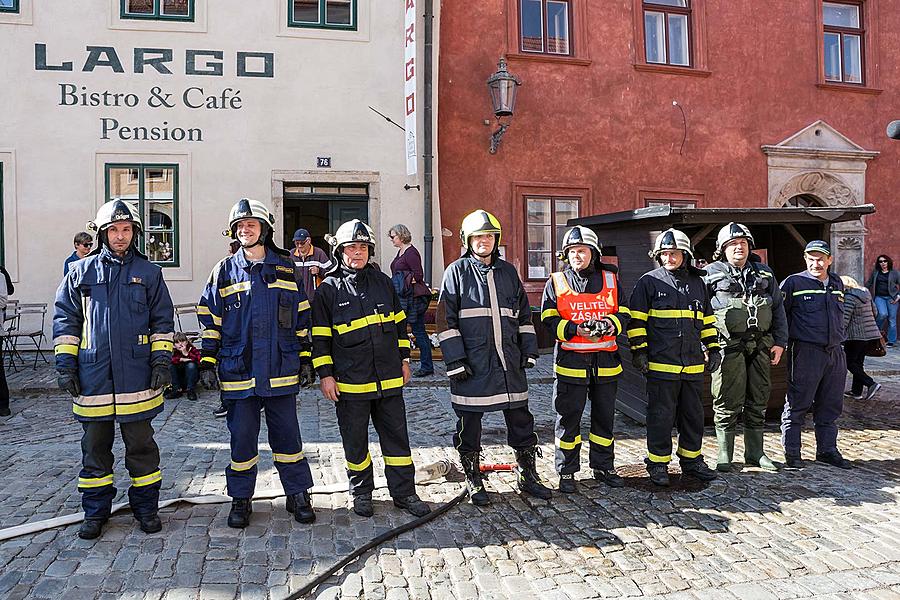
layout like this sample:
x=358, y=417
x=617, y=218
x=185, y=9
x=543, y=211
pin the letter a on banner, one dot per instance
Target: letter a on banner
x=409, y=92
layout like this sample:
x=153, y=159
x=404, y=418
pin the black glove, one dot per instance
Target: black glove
x=160, y=377
x=714, y=361
x=600, y=328
x=208, y=377
x=641, y=362
x=460, y=375
x=528, y=362
x=307, y=375
x=68, y=381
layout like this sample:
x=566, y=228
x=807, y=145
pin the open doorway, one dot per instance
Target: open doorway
x=321, y=208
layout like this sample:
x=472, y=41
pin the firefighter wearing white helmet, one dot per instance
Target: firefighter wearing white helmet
x=488, y=343
x=582, y=307
x=112, y=337
x=751, y=321
x=361, y=353
x=672, y=326
x=256, y=335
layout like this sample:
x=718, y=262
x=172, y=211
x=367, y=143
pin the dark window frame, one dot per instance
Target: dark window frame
x=2, y=224
x=157, y=14
x=666, y=10
x=322, y=24
x=545, y=34
x=10, y=9
x=553, y=227
x=842, y=31
x=142, y=168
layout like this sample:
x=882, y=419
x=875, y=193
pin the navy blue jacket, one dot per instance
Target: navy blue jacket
x=814, y=310
x=255, y=326
x=113, y=322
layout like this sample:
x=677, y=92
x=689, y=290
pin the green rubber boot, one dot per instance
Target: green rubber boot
x=754, y=455
x=726, y=450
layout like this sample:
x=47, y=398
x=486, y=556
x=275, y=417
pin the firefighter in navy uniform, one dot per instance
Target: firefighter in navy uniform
x=671, y=326
x=255, y=330
x=817, y=368
x=361, y=353
x=488, y=344
x=112, y=331
x=581, y=307
x=750, y=318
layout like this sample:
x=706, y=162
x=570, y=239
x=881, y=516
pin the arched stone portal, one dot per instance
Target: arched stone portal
x=820, y=166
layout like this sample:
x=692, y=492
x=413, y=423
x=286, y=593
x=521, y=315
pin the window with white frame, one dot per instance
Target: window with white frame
x=844, y=39
x=545, y=27
x=667, y=32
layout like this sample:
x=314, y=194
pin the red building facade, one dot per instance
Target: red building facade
x=629, y=103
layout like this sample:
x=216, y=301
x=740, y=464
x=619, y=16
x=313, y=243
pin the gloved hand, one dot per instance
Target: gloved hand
x=461, y=375
x=714, y=361
x=307, y=375
x=208, y=377
x=68, y=381
x=528, y=362
x=160, y=377
x=641, y=362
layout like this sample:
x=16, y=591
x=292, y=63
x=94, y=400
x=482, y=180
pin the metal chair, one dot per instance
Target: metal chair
x=9, y=325
x=188, y=312
x=32, y=319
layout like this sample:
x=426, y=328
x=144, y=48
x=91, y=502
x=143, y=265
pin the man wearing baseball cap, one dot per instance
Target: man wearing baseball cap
x=312, y=263
x=817, y=367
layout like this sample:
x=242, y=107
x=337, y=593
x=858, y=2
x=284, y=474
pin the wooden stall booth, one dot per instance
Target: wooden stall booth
x=780, y=235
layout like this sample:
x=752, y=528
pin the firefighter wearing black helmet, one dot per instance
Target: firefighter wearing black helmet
x=582, y=308
x=256, y=335
x=487, y=345
x=751, y=322
x=361, y=353
x=671, y=327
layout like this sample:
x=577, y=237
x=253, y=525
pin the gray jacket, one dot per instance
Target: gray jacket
x=859, y=318
x=893, y=283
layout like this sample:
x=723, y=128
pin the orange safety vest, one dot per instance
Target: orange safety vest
x=579, y=308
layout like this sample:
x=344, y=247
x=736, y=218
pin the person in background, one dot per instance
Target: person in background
x=859, y=321
x=312, y=263
x=884, y=286
x=6, y=290
x=185, y=365
x=83, y=243
x=407, y=274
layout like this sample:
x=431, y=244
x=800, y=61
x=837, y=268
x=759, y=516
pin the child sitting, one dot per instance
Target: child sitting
x=185, y=368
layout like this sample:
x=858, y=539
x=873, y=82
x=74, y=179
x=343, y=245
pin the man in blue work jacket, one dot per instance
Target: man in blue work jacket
x=817, y=371
x=112, y=336
x=255, y=329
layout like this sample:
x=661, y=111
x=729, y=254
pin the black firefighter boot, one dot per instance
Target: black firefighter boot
x=529, y=480
x=698, y=470
x=301, y=506
x=239, y=517
x=471, y=464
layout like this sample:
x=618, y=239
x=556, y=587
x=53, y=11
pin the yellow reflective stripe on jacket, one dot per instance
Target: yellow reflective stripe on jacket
x=209, y=359
x=399, y=316
x=403, y=344
x=211, y=334
x=360, y=466
x=304, y=305
x=709, y=320
x=321, y=331
x=639, y=346
x=246, y=465
x=167, y=346
x=363, y=388
x=550, y=312
x=243, y=286
x=143, y=339
x=609, y=371
x=95, y=482
x=203, y=310
x=569, y=445
x=708, y=331
x=636, y=314
x=284, y=381
x=625, y=310
x=66, y=349
x=566, y=371
x=616, y=320
x=664, y=368
x=284, y=285
x=322, y=360
x=801, y=292
x=659, y=458
x=601, y=441
x=305, y=353
x=93, y=411
x=376, y=319
x=237, y=386
x=561, y=330
x=689, y=453
x=662, y=313
x=397, y=461
x=138, y=407
x=288, y=458
x=637, y=331
x=150, y=479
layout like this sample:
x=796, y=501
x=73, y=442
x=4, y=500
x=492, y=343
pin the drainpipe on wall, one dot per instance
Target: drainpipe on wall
x=428, y=149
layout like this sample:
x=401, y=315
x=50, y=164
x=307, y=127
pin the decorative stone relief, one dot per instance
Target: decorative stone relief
x=829, y=188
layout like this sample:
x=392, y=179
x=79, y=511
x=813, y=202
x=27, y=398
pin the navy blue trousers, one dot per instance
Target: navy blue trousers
x=816, y=379
x=284, y=438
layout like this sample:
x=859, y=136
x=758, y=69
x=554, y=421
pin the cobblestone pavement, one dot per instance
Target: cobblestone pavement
x=820, y=532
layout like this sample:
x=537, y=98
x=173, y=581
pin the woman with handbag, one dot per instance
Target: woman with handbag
x=415, y=295
x=862, y=335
